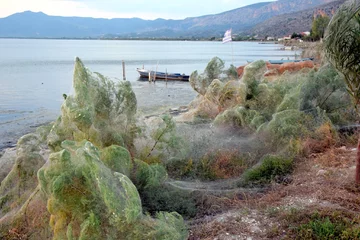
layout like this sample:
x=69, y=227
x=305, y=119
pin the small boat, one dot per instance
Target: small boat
x=162, y=75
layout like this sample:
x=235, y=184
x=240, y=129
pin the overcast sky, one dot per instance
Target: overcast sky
x=146, y=9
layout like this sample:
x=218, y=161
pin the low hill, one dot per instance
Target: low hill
x=39, y=25
x=300, y=21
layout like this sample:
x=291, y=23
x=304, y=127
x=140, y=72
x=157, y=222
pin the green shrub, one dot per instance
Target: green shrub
x=287, y=125
x=270, y=167
x=99, y=111
x=221, y=164
x=321, y=229
x=326, y=90
x=147, y=176
x=163, y=142
x=17, y=186
x=290, y=101
x=271, y=95
x=178, y=168
x=239, y=117
x=117, y=159
x=200, y=82
x=89, y=201
x=232, y=73
x=162, y=198
x=156, y=196
x=333, y=226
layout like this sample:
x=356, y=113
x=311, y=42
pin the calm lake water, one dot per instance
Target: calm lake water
x=35, y=73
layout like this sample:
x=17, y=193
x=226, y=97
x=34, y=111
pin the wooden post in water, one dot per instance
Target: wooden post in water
x=156, y=71
x=123, y=67
x=166, y=76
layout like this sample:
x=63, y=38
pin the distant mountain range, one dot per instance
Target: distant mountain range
x=258, y=18
x=297, y=22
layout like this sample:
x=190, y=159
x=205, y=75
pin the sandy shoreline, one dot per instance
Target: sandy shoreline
x=14, y=128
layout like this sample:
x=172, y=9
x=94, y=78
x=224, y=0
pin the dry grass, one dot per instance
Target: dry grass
x=323, y=182
x=30, y=222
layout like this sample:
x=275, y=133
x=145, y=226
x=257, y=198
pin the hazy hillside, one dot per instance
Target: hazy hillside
x=295, y=22
x=245, y=17
x=33, y=25
x=30, y=24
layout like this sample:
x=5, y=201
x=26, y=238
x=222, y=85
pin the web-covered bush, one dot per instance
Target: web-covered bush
x=236, y=117
x=214, y=70
x=21, y=181
x=100, y=111
x=159, y=140
x=88, y=187
x=87, y=200
x=326, y=90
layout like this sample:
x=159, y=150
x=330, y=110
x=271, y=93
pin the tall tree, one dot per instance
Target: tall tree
x=342, y=47
x=318, y=26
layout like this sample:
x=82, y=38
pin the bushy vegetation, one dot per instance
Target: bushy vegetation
x=162, y=141
x=219, y=164
x=165, y=198
x=293, y=115
x=86, y=199
x=21, y=181
x=214, y=70
x=268, y=169
x=90, y=185
x=107, y=174
x=321, y=224
x=318, y=27
x=342, y=46
x=294, y=105
x=100, y=111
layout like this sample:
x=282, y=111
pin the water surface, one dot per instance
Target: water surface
x=34, y=74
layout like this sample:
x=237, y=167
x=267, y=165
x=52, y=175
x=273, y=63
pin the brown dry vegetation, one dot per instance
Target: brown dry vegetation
x=322, y=185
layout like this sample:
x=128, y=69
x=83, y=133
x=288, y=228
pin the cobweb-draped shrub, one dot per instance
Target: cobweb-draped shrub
x=159, y=140
x=236, y=117
x=200, y=82
x=310, y=93
x=100, y=111
x=22, y=179
x=88, y=181
x=87, y=200
x=253, y=74
x=270, y=167
x=326, y=90
x=214, y=70
x=342, y=44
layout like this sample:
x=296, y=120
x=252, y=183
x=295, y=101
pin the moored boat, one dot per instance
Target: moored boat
x=162, y=75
